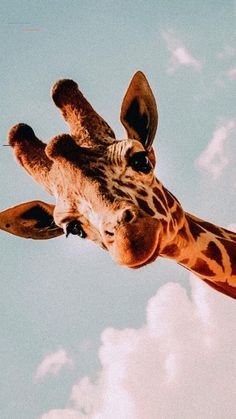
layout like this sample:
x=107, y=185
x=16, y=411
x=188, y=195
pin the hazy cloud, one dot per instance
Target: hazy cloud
x=180, y=56
x=231, y=73
x=179, y=365
x=52, y=364
x=214, y=158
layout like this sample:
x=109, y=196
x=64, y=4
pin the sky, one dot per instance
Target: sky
x=80, y=337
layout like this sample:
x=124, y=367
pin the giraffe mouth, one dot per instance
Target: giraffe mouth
x=150, y=259
x=138, y=244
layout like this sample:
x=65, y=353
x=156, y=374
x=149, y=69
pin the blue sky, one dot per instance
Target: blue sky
x=60, y=297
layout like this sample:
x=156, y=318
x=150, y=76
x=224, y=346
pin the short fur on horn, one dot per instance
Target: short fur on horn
x=30, y=153
x=86, y=125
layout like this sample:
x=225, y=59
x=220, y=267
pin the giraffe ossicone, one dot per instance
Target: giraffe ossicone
x=106, y=190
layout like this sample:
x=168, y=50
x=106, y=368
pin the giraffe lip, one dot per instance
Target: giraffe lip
x=136, y=245
x=151, y=258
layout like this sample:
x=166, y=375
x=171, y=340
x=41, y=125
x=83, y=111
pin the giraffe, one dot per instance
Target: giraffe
x=106, y=190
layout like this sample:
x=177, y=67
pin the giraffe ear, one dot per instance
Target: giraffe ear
x=31, y=220
x=139, y=111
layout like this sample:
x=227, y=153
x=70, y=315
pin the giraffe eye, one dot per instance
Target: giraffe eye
x=140, y=162
x=75, y=228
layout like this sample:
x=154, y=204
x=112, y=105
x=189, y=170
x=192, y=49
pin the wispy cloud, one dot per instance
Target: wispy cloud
x=215, y=158
x=231, y=73
x=52, y=364
x=180, y=56
x=181, y=361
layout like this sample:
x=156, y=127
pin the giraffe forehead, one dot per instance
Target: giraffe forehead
x=122, y=149
x=113, y=155
x=98, y=163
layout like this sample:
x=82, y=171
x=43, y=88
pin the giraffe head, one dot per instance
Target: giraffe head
x=105, y=189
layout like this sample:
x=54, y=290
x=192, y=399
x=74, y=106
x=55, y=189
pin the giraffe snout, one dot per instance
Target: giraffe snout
x=136, y=243
x=132, y=239
x=123, y=218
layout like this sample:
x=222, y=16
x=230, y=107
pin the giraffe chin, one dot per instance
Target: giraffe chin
x=137, y=244
x=151, y=259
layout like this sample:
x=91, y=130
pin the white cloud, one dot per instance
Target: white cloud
x=231, y=73
x=181, y=364
x=214, y=158
x=180, y=56
x=52, y=364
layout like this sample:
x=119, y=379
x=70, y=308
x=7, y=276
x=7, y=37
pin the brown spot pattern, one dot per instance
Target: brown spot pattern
x=142, y=192
x=183, y=233
x=211, y=227
x=228, y=234
x=233, y=236
x=222, y=287
x=195, y=228
x=158, y=206
x=94, y=172
x=144, y=206
x=171, y=250
x=231, y=251
x=120, y=193
x=119, y=182
x=169, y=197
x=214, y=253
x=202, y=268
x=127, y=184
x=160, y=196
x=184, y=261
x=130, y=185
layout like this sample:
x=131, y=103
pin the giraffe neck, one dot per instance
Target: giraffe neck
x=208, y=251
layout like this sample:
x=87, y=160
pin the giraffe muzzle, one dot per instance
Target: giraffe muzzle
x=136, y=244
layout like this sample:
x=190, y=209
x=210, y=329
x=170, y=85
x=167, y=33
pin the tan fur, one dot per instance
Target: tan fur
x=106, y=190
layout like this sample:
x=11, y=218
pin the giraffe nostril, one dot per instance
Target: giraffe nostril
x=124, y=217
x=128, y=216
x=109, y=233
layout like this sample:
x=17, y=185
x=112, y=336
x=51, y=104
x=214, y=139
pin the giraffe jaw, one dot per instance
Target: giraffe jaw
x=138, y=244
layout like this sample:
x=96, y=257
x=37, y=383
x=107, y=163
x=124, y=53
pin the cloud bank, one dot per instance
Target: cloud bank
x=215, y=158
x=52, y=364
x=180, y=56
x=181, y=364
